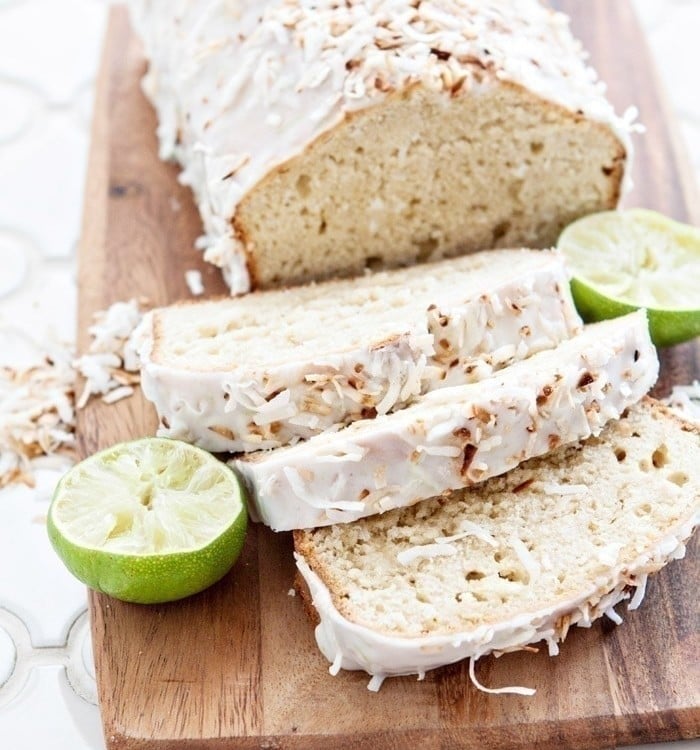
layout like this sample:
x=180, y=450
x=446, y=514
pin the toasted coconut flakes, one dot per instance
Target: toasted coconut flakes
x=38, y=404
x=37, y=415
x=110, y=354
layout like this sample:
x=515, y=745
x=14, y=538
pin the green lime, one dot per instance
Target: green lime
x=153, y=520
x=623, y=260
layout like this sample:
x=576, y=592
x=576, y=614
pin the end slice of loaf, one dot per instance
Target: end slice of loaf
x=271, y=368
x=558, y=541
x=324, y=138
x=457, y=436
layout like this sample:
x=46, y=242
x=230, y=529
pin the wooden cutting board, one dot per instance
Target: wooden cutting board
x=237, y=666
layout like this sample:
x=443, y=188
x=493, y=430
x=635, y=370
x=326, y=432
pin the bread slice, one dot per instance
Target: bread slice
x=457, y=436
x=321, y=139
x=271, y=368
x=558, y=541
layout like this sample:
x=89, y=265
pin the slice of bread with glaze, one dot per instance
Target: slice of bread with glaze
x=558, y=541
x=271, y=368
x=454, y=437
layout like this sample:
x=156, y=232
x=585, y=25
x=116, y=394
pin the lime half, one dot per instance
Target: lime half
x=624, y=260
x=148, y=521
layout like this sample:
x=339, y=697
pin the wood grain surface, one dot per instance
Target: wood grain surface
x=237, y=666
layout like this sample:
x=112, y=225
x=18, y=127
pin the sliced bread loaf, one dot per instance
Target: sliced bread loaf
x=323, y=138
x=556, y=542
x=269, y=368
x=456, y=436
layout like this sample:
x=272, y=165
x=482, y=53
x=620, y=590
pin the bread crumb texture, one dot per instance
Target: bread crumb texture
x=545, y=533
x=425, y=177
x=323, y=138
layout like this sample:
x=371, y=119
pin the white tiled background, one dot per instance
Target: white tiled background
x=48, y=57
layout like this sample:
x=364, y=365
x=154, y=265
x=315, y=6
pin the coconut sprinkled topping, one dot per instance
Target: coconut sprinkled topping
x=247, y=397
x=455, y=437
x=302, y=65
x=685, y=401
x=38, y=404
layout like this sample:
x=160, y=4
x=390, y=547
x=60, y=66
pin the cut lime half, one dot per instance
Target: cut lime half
x=153, y=520
x=624, y=260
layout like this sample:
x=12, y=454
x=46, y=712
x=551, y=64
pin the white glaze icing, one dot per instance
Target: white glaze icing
x=457, y=436
x=524, y=306
x=355, y=646
x=241, y=87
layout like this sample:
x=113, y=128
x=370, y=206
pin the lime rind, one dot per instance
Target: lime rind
x=622, y=261
x=165, y=578
x=638, y=257
x=149, y=521
x=666, y=327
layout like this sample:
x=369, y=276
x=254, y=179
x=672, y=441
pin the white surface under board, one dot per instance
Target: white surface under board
x=48, y=58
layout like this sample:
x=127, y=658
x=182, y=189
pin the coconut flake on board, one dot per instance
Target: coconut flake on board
x=38, y=403
x=685, y=401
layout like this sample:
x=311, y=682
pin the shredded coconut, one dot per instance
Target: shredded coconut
x=38, y=404
x=612, y=615
x=549, y=488
x=37, y=416
x=515, y=690
x=376, y=682
x=685, y=401
x=407, y=556
x=337, y=663
x=193, y=279
x=469, y=528
x=532, y=567
x=639, y=592
x=108, y=363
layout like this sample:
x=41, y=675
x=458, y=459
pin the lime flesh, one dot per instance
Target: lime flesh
x=624, y=260
x=149, y=521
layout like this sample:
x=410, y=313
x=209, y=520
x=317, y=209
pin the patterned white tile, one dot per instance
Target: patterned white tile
x=45, y=307
x=21, y=106
x=673, y=39
x=39, y=589
x=14, y=261
x=8, y=656
x=44, y=174
x=54, y=45
x=690, y=130
x=15, y=682
x=49, y=715
x=80, y=667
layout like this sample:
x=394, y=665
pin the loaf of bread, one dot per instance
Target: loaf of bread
x=270, y=368
x=324, y=138
x=558, y=541
x=454, y=437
